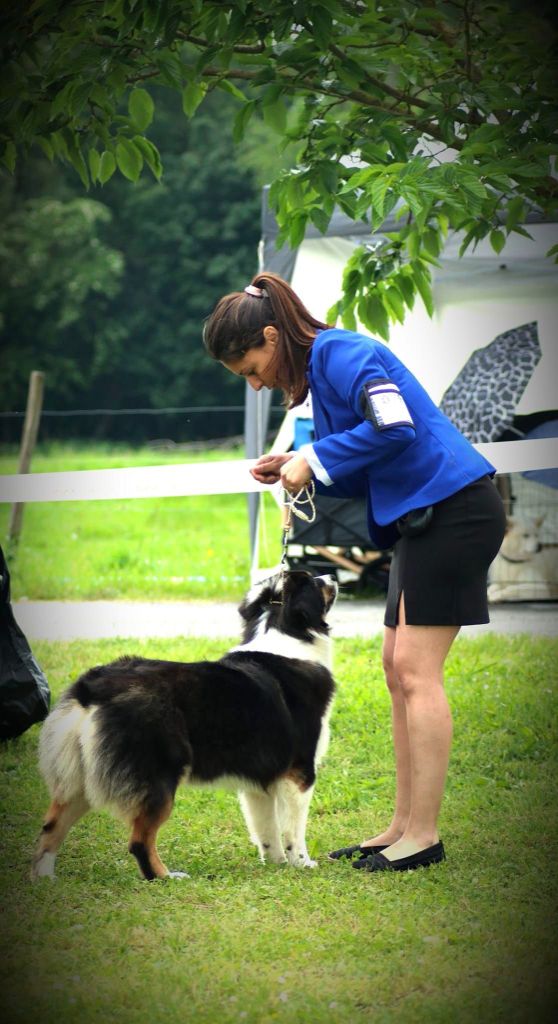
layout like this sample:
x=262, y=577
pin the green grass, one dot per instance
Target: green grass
x=472, y=940
x=151, y=549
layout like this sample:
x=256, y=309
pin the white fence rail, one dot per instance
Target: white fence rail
x=230, y=477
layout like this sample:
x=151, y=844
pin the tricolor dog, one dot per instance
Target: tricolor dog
x=125, y=735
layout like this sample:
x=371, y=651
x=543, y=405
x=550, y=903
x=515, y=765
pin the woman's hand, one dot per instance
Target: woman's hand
x=268, y=467
x=295, y=473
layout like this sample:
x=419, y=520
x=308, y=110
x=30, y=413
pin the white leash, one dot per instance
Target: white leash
x=294, y=506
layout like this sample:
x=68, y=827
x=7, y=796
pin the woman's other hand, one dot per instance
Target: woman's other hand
x=267, y=469
x=295, y=474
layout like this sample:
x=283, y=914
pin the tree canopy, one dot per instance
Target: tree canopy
x=444, y=113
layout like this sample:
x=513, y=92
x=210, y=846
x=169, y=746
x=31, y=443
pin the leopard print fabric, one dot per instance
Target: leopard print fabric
x=483, y=398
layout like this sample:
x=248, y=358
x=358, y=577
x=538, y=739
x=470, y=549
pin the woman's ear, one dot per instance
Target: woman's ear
x=271, y=334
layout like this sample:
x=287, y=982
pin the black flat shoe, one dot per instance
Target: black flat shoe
x=422, y=859
x=348, y=851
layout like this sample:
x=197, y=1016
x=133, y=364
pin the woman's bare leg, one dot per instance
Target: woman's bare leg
x=398, y=824
x=419, y=656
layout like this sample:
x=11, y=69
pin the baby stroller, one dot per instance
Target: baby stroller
x=337, y=541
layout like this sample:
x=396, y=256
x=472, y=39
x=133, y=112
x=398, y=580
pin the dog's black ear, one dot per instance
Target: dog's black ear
x=296, y=582
x=252, y=603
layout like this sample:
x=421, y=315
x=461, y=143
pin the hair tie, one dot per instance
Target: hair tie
x=259, y=293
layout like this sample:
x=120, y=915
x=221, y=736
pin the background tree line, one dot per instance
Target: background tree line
x=106, y=290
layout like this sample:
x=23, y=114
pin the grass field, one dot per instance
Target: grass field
x=471, y=940
x=150, y=549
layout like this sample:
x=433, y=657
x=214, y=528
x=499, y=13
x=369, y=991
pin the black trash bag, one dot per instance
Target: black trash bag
x=24, y=691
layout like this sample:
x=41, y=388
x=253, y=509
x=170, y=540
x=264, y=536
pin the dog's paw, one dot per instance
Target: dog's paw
x=306, y=862
x=302, y=860
x=43, y=867
x=177, y=874
x=273, y=856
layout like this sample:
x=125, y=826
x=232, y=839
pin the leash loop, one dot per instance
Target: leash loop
x=293, y=504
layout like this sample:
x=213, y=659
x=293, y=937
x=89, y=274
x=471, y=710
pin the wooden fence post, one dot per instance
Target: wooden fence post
x=28, y=440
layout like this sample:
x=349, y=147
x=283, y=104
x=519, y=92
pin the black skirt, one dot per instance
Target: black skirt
x=442, y=573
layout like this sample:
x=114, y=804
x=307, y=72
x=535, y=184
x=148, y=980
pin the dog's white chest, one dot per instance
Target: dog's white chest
x=272, y=641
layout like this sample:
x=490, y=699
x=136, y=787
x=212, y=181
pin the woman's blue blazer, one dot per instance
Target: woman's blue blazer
x=397, y=468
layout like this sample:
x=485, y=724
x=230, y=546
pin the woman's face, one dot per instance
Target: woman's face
x=256, y=365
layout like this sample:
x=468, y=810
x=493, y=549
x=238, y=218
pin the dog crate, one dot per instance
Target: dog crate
x=526, y=567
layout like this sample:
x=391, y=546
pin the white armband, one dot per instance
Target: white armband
x=383, y=404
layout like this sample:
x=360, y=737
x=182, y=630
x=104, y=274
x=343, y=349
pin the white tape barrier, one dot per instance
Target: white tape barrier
x=217, y=477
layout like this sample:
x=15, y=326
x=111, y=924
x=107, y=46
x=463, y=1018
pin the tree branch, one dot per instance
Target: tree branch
x=205, y=44
x=396, y=94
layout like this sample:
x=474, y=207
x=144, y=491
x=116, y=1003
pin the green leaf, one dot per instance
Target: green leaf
x=293, y=192
x=101, y=98
x=241, y=120
x=406, y=286
x=373, y=313
x=395, y=303
x=328, y=177
x=497, y=240
x=94, y=164
x=396, y=142
x=361, y=177
x=232, y=89
x=9, y=156
x=471, y=234
x=76, y=158
x=78, y=97
x=319, y=218
x=515, y=214
x=528, y=171
x=60, y=101
x=413, y=244
x=46, y=147
x=424, y=289
x=322, y=23
x=348, y=318
x=192, y=96
x=129, y=159
x=59, y=145
x=297, y=229
x=107, y=166
x=431, y=242
x=378, y=194
x=141, y=107
x=333, y=312
x=521, y=231
x=411, y=196
x=150, y=154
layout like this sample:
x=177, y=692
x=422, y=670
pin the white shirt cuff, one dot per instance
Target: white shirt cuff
x=321, y=474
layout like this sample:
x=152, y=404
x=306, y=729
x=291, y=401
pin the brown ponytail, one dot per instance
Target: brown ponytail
x=238, y=320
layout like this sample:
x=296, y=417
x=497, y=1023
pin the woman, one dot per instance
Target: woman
x=429, y=493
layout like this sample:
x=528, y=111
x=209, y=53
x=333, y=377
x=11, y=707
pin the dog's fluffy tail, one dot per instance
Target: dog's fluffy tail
x=60, y=754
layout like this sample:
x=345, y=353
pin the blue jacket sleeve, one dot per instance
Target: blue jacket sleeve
x=342, y=367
